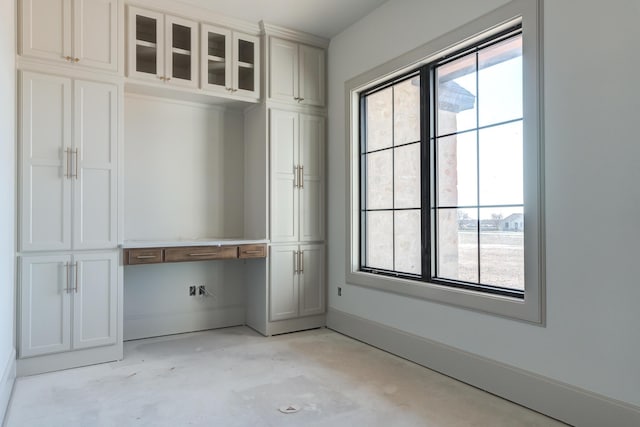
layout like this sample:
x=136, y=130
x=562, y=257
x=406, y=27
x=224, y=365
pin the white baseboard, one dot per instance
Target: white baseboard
x=6, y=384
x=158, y=325
x=558, y=400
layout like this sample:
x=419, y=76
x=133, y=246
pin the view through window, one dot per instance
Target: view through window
x=441, y=188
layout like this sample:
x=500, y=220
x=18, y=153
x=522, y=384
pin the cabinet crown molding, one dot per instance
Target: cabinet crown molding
x=196, y=13
x=298, y=36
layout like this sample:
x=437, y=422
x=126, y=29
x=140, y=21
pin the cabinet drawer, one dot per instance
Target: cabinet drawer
x=200, y=253
x=143, y=256
x=252, y=251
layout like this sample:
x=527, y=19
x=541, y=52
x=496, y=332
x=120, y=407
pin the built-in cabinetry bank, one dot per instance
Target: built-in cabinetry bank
x=163, y=148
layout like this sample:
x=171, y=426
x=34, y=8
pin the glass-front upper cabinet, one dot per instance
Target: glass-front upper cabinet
x=230, y=62
x=162, y=48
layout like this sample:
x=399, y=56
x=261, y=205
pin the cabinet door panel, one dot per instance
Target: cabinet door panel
x=95, y=300
x=45, y=311
x=46, y=29
x=246, y=60
x=283, y=282
x=312, y=75
x=146, y=45
x=45, y=205
x=96, y=33
x=216, y=56
x=181, y=52
x=95, y=204
x=312, y=154
x=283, y=70
x=312, y=286
x=284, y=160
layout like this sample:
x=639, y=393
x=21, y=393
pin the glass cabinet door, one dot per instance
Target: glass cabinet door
x=246, y=64
x=181, y=54
x=145, y=55
x=216, y=59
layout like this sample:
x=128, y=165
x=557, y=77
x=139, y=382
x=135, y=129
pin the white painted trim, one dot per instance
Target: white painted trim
x=69, y=359
x=532, y=307
x=297, y=36
x=147, y=326
x=6, y=384
x=559, y=400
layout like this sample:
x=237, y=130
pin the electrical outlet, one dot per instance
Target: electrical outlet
x=201, y=290
x=192, y=290
x=339, y=291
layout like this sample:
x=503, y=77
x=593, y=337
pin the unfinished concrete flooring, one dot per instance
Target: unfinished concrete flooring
x=235, y=377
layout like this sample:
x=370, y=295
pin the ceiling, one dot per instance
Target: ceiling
x=325, y=18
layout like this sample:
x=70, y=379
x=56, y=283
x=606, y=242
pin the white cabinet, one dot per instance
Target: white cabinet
x=230, y=61
x=55, y=286
x=162, y=48
x=297, y=176
x=296, y=281
x=296, y=72
x=68, y=164
x=80, y=32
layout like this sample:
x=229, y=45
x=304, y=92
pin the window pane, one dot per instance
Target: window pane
x=502, y=247
x=456, y=95
x=408, y=242
x=457, y=179
x=380, y=180
x=457, y=254
x=380, y=240
x=407, y=176
x=379, y=120
x=406, y=111
x=501, y=173
x=500, y=82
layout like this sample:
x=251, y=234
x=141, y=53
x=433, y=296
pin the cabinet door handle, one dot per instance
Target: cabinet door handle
x=160, y=77
x=295, y=177
x=76, y=60
x=67, y=173
x=252, y=252
x=75, y=152
x=300, y=100
x=301, y=180
x=166, y=79
x=67, y=266
x=301, y=261
x=295, y=262
x=75, y=276
x=205, y=254
x=68, y=58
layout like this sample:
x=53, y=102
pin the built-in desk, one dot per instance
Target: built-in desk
x=137, y=252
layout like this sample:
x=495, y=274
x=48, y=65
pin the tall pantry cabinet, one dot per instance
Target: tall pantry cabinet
x=68, y=221
x=293, y=123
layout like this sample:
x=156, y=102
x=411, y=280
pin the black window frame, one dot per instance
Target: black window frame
x=428, y=113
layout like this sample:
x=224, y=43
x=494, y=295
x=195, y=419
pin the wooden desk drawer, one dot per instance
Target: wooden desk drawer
x=200, y=253
x=252, y=251
x=143, y=256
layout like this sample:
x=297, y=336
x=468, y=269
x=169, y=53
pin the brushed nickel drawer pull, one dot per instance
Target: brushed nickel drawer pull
x=146, y=256
x=68, y=172
x=75, y=265
x=66, y=266
x=252, y=252
x=301, y=177
x=205, y=254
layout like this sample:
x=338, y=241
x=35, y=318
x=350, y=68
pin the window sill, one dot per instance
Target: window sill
x=526, y=309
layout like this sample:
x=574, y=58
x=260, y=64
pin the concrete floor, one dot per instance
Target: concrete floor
x=235, y=377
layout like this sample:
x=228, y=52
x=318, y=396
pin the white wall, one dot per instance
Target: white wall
x=184, y=169
x=7, y=190
x=592, y=102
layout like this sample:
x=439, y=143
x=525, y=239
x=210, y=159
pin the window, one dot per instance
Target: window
x=446, y=166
